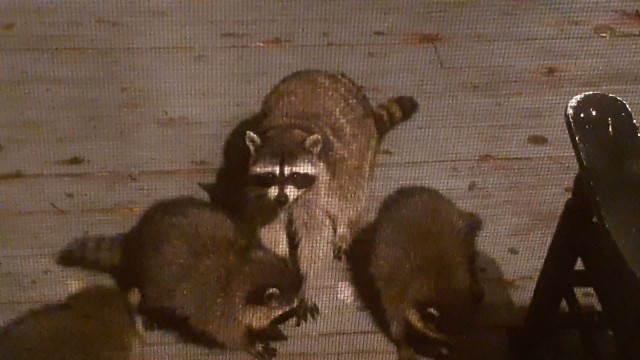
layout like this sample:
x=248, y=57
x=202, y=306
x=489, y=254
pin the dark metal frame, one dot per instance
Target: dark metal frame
x=582, y=234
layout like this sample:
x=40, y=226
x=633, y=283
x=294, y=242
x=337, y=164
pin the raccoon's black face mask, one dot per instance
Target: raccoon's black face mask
x=283, y=174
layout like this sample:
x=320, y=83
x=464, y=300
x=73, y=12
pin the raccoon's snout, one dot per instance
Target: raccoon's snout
x=281, y=199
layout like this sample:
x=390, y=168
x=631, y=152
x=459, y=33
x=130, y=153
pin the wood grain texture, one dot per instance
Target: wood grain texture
x=106, y=108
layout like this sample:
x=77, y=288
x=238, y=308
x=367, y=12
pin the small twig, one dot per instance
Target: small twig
x=435, y=48
x=56, y=207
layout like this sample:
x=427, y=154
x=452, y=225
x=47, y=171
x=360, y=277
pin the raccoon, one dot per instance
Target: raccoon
x=414, y=268
x=314, y=150
x=198, y=273
x=95, y=323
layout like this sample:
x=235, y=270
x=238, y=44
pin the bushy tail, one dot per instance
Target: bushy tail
x=393, y=112
x=100, y=253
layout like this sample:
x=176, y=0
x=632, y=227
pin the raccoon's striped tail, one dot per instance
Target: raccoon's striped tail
x=100, y=253
x=393, y=112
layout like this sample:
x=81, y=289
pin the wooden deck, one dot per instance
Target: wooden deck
x=106, y=107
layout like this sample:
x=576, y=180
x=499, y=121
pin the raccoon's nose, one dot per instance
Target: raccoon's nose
x=282, y=199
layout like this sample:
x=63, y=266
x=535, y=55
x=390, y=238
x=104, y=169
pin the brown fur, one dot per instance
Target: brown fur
x=195, y=267
x=415, y=267
x=95, y=323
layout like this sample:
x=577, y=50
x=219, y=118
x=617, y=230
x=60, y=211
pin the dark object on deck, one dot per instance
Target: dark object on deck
x=600, y=225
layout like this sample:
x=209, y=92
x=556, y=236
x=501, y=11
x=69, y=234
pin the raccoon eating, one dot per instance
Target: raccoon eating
x=198, y=272
x=414, y=268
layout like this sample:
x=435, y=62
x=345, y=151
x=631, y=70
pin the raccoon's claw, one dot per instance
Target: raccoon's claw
x=306, y=310
x=264, y=351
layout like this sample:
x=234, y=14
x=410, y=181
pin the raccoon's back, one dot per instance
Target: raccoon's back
x=163, y=248
x=420, y=240
x=337, y=103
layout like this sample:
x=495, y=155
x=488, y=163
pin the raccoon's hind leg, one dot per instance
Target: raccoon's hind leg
x=397, y=333
x=341, y=225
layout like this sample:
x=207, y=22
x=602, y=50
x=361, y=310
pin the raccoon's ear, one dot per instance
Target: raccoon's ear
x=253, y=141
x=313, y=143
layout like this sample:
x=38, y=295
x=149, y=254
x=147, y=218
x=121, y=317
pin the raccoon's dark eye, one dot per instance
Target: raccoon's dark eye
x=265, y=180
x=301, y=180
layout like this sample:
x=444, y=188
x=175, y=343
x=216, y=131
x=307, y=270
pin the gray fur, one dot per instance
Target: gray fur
x=322, y=124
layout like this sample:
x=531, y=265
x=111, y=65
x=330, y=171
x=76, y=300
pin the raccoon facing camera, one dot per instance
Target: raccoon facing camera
x=314, y=150
x=414, y=268
x=95, y=323
x=198, y=273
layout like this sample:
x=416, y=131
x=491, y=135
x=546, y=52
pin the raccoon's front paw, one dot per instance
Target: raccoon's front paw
x=306, y=309
x=272, y=333
x=263, y=351
x=339, y=252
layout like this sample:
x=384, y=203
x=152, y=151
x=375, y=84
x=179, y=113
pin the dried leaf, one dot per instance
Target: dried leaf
x=550, y=71
x=604, y=30
x=14, y=175
x=233, y=35
x=76, y=160
x=276, y=41
x=103, y=21
x=57, y=208
x=200, y=162
x=537, y=139
x=9, y=26
x=486, y=158
x=423, y=38
x=633, y=16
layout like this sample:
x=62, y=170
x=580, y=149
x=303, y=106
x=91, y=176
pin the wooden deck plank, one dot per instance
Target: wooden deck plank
x=517, y=241
x=145, y=148
x=203, y=24
x=139, y=76
x=99, y=192
x=341, y=312
x=146, y=94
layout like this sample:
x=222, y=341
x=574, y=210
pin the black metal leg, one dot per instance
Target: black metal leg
x=578, y=236
x=587, y=333
x=617, y=290
x=555, y=277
